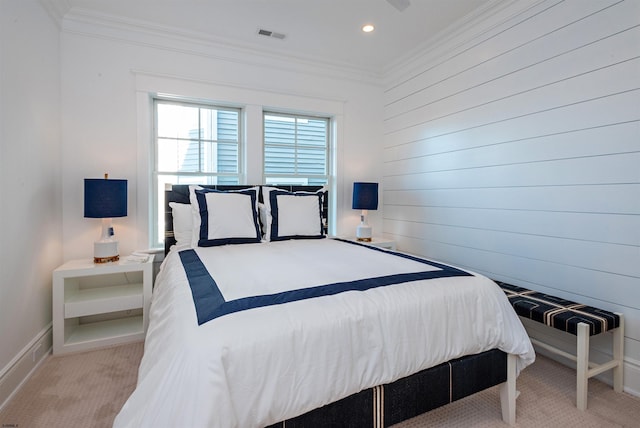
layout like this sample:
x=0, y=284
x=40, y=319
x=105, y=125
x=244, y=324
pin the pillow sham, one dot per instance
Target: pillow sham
x=195, y=215
x=195, y=210
x=225, y=217
x=182, y=223
x=292, y=215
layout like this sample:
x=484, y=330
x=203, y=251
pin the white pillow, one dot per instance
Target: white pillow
x=226, y=217
x=262, y=215
x=182, y=223
x=293, y=215
x=265, y=212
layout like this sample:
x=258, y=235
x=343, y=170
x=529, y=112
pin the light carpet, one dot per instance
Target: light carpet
x=88, y=390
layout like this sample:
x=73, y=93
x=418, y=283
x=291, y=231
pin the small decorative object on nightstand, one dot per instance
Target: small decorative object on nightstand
x=98, y=305
x=365, y=197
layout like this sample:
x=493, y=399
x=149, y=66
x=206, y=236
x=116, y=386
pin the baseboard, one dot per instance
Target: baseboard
x=600, y=351
x=632, y=376
x=24, y=364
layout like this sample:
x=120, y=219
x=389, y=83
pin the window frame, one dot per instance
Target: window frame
x=157, y=204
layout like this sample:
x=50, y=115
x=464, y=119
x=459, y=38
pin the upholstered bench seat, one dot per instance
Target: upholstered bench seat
x=579, y=320
x=559, y=313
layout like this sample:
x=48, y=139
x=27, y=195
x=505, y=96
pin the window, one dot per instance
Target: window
x=194, y=144
x=295, y=149
x=202, y=143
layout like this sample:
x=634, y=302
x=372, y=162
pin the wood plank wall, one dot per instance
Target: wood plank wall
x=513, y=149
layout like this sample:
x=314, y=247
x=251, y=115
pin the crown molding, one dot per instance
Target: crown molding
x=142, y=33
x=450, y=32
x=56, y=9
x=457, y=36
x=332, y=103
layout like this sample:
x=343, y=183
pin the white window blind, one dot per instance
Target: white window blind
x=295, y=149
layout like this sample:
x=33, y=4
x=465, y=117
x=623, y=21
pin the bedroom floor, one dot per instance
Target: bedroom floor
x=88, y=389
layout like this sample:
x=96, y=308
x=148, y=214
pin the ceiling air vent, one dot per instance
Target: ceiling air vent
x=267, y=33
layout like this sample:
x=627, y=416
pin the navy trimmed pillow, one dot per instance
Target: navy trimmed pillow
x=227, y=217
x=294, y=215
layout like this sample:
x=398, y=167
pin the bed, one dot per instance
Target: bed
x=258, y=319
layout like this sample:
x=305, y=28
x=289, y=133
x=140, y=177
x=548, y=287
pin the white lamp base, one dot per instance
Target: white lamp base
x=363, y=233
x=105, y=251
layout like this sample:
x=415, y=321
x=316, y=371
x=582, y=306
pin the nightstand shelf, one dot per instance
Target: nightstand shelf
x=97, y=305
x=80, y=303
x=104, y=333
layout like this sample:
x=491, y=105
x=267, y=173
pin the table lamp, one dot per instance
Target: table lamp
x=105, y=199
x=365, y=197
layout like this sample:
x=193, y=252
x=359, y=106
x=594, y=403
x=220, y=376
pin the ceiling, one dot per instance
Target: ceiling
x=328, y=31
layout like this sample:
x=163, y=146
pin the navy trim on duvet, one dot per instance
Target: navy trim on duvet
x=210, y=303
x=204, y=289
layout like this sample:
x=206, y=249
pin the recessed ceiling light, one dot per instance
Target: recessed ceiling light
x=367, y=28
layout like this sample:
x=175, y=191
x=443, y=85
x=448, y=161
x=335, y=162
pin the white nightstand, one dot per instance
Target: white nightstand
x=97, y=305
x=378, y=241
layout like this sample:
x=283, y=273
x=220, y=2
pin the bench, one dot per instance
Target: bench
x=576, y=319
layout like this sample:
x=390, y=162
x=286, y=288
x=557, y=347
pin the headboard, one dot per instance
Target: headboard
x=180, y=193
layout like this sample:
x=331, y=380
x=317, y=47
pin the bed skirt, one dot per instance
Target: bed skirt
x=386, y=405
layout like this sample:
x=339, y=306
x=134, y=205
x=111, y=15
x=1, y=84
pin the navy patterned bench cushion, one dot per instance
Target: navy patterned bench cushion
x=558, y=313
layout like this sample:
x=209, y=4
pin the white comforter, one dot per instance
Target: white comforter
x=264, y=365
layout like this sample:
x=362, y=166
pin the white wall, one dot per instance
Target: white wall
x=30, y=190
x=109, y=70
x=74, y=104
x=513, y=149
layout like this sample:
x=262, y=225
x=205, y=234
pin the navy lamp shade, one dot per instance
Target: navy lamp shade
x=365, y=197
x=105, y=199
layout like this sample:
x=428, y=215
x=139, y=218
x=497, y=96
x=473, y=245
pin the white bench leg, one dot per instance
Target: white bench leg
x=508, y=393
x=582, y=360
x=618, y=355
